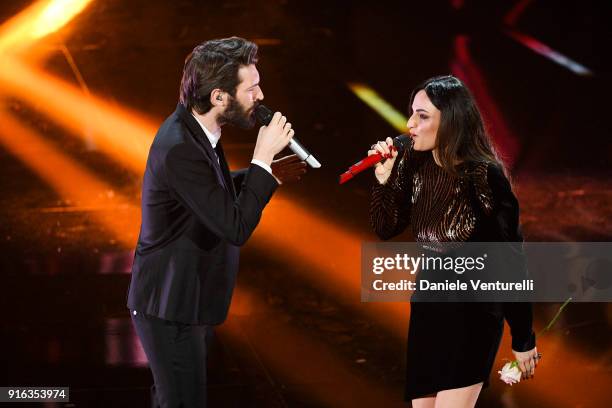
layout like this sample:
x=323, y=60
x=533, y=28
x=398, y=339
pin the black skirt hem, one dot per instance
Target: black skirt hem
x=410, y=395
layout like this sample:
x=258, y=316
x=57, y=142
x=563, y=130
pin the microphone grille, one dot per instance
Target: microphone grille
x=402, y=142
x=263, y=115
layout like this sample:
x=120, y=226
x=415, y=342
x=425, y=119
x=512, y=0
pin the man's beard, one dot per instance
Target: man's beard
x=235, y=114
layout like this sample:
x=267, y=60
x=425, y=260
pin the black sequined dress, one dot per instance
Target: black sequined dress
x=452, y=345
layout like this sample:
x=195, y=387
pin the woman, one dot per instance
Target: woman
x=450, y=186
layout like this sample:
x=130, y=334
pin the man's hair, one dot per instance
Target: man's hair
x=214, y=64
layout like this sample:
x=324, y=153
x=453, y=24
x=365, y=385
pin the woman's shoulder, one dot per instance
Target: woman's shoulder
x=489, y=180
x=485, y=172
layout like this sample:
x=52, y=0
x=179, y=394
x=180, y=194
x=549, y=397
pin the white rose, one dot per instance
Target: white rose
x=510, y=373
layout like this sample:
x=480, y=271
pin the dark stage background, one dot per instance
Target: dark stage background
x=81, y=101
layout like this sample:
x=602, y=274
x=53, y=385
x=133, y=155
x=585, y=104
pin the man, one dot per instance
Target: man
x=195, y=215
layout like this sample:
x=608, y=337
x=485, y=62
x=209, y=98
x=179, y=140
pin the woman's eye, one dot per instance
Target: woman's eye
x=423, y=117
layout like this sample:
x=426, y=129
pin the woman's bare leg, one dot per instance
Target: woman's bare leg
x=425, y=402
x=464, y=397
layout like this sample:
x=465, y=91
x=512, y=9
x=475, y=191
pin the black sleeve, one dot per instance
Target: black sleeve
x=390, y=202
x=238, y=178
x=193, y=181
x=505, y=215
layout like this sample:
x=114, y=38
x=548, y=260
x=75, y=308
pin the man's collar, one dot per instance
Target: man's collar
x=212, y=138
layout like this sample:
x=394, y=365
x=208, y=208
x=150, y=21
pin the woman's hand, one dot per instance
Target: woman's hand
x=528, y=361
x=382, y=170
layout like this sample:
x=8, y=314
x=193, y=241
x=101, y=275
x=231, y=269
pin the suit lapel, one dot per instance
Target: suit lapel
x=198, y=137
x=225, y=169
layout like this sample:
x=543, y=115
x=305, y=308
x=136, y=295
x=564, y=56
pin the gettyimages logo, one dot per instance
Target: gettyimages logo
x=411, y=264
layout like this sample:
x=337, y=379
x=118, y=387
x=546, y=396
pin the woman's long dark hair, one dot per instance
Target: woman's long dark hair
x=461, y=135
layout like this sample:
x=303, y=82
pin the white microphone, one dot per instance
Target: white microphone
x=264, y=116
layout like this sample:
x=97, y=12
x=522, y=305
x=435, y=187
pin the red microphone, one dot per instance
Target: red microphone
x=399, y=143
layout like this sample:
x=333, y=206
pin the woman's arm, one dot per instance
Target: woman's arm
x=390, y=202
x=505, y=217
x=504, y=213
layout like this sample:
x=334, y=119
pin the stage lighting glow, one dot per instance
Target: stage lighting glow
x=123, y=135
x=57, y=14
x=380, y=106
x=465, y=68
x=37, y=21
x=71, y=180
x=331, y=259
x=544, y=50
x=513, y=15
x=282, y=345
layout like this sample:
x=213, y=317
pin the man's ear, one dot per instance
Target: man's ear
x=217, y=97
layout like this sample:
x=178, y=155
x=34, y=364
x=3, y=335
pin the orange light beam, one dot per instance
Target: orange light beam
x=37, y=21
x=329, y=256
x=121, y=134
x=71, y=180
x=327, y=377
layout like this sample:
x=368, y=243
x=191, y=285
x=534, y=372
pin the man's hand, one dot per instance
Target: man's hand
x=287, y=169
x=272, y=138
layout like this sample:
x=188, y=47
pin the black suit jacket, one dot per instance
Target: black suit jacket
x=193, y=220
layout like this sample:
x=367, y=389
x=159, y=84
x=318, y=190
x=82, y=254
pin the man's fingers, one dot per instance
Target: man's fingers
x=282, y=121
x=276, y=118
x=290, y=133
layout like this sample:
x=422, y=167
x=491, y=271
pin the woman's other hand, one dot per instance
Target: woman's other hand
x=528, y=361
